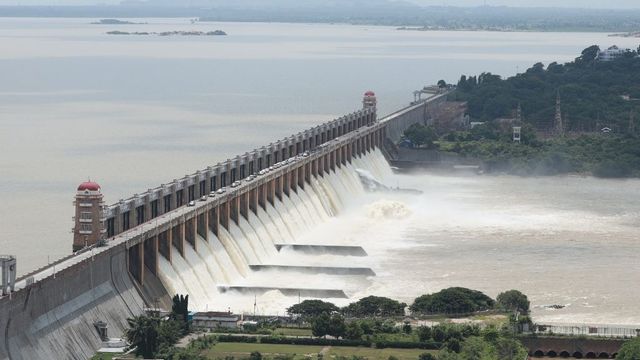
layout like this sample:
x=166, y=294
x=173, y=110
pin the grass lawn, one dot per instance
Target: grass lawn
x=293, y=331
x=106, y=356
x=220, y=350
x=377, y=354
x=239, y=350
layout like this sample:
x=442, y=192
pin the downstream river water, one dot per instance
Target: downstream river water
x=132, y=112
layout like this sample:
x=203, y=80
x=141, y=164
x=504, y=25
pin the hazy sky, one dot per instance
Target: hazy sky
x=617, y=4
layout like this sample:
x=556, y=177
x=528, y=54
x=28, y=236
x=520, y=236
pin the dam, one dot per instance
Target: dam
x=208, y=235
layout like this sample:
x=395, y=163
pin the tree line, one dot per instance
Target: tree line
x=593, y=93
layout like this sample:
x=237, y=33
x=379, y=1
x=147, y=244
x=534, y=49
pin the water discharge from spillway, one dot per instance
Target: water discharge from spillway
x=244, y=260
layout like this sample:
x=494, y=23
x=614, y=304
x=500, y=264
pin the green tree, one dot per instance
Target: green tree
x=426, y=356
x=337, y=327
x=168, y=333
x=255, y=356
x=439, y=333
x=375, y=306
x=453, y=300
x=588, y=55
x=476, y=348
x=510, y=349
x=424, y=333
x=442, y=84
x=630, y=350
x=513, y=300
x=320, y=325
x=312, y=308
x=353, y=331
x=453, y=344
x=180, y=310
x=406, y=328
x=143, y=334
x=448, y=355
x=421, y=135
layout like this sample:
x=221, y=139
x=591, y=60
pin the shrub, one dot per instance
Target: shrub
x=237, y=338
x=313, y=341
x=426, y=356
x=428, y=345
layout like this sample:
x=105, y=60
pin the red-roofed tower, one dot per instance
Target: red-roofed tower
x=89, y=220
x=369, y=99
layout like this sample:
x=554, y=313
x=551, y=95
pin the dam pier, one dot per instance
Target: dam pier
x=214, y=220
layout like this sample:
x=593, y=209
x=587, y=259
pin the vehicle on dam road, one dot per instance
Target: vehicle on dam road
x=212, y=194
x=203, y=198
x=191, y=203
x=222, y=190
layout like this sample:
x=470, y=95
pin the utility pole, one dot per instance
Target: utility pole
x=632, y=124
x=559, y=126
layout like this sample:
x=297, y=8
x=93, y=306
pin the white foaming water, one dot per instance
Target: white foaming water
x=262, y=235
x=247, y=247
x=387, y=209
x=227, y=266
x=561, y=240
x=214, y=265
x=225, y=259
x=189, y=278
x=275, y=218
x=231, y=247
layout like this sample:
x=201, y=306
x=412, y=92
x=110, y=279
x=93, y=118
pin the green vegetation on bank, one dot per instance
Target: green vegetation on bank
x=605, y=155
x=591, y=92
x=154, y=337
x=630, y=350
x=600, y=108
x=366, y=329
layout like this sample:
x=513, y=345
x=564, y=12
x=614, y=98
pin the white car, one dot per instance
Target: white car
x=212, y=194
x=191, y=203
x=203, y=198
x=236, y=184
x=222, y=190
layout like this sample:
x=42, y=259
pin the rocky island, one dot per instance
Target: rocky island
x=170, y=33
x=115, y=22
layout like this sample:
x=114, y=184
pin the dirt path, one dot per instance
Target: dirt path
x=325, y=350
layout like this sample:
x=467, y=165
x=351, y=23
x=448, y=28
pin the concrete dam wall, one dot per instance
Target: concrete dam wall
x=398, y=122
x=53, y=318
x=215, y=247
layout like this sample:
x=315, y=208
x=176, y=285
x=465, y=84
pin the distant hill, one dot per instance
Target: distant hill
x=372, y=12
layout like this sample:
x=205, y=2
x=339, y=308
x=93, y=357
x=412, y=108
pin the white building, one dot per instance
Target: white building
x=611, y=53
x=213, y=319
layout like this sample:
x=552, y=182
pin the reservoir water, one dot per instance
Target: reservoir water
x=132, y=112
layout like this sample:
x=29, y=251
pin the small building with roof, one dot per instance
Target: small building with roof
x=611, y=53
x=215, y=319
